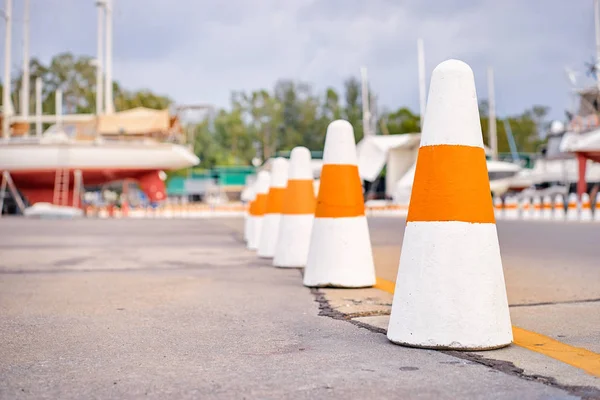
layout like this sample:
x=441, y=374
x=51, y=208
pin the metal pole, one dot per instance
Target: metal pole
x=6, y=109
x=77, y=177
x=58, y=108
x=365, y=103
x=422, y=84
x=38, y=107
x=108, y=99
x=100, y=58
x=492, y=115
x=13, y=190
x=3, y=192
x=597, y=27
x=25, y=87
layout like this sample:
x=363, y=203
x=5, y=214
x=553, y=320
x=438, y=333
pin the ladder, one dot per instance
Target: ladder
x=61, y=178
x=61, y=187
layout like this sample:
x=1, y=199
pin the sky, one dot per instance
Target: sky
x=198, y=51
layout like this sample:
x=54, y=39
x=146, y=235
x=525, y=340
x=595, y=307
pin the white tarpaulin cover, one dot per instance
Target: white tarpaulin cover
x=373, y=152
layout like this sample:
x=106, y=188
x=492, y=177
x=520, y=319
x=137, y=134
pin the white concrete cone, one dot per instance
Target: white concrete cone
x=537, y=208
x=597, y=208
x=586, y=208
x=258, y=209
x=573, y=208
x=340, y=253
x=526, y=208
x=298, y=212
x=251, y=196
x=498, y=207
x=270, y=229
x=450, y=291
x=559, y=208
x=547, y=209
x=511, y=208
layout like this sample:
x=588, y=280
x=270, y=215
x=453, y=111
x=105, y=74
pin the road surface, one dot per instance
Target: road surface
x=179, y=309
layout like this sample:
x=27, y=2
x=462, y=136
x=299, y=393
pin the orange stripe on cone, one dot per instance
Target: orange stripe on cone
x=451, y=184
x=340, y=192
x=275, y=200
x=299, y=197
x=258, y=206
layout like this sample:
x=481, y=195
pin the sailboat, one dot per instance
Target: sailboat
x=88, y=149
x=571, y=158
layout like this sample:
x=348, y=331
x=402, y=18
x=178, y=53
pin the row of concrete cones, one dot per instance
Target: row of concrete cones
x=167, y=211
x=191, y=211
x=549, y=208
x=450, y=291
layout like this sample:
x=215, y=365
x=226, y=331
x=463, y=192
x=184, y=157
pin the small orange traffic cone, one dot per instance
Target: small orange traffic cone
x=298, y=212
x=340, y=253
x=450, y=291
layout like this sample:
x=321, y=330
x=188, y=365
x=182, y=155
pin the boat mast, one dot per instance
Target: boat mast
x=108, y=99
x=492, y=115
x=38, y=106
x=25, y=86
x=99, y=57
x=422, y=87
x=6, y=109
x=597, y=27
x=365, y=103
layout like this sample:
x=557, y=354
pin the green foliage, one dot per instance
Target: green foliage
x=76, y=77
x=527, y=128
x=260, y=123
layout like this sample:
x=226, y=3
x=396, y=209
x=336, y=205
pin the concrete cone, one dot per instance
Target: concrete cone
x=527, y=208
x=298, y=212
x=258, y=208
x=559, y=207
x=270, y=229
x=586, y=208
x=250, y=196
x=450, y=291
x=597, y=208
x=537, y=208
x=511, y=210
x=498, y=208
x=572, y=208
x=547, y=209
x=340, y=253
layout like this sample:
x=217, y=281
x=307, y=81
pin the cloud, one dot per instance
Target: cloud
x=199, y=51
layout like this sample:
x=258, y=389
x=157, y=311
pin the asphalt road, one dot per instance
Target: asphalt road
x=179, y=309
x=543, y=261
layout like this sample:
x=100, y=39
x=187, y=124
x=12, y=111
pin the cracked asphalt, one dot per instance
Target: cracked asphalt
x=179, y=309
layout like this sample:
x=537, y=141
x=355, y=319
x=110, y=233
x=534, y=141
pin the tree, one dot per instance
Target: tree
x=75, y=76
x=353, y=106
x=401, y=121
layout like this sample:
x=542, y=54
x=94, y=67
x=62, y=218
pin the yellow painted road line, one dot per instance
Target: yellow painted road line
x=577, y=357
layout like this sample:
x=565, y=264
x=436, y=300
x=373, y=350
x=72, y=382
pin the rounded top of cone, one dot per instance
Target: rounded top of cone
x=279, y=172
x=300, y=167
x=340, y=146
x=262, y=182
x=585, y=197
x=452, y=114
x=558, y=197
x=572, y=198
